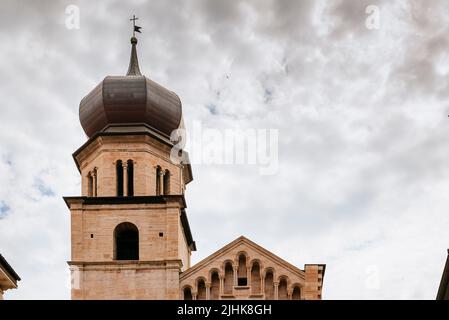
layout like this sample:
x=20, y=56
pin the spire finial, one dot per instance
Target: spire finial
x=135, y=28
x=133, y=69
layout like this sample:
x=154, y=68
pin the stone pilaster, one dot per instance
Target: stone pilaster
x=94, y=184
x=276, y=290
x=208, y=290
x=221, y=283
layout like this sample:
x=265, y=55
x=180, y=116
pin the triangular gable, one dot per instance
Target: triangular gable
x=241, y=240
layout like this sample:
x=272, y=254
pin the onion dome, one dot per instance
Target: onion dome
x=130, y=101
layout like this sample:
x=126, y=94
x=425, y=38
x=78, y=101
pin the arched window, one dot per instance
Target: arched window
x=158, y=180
x=119, y=177
x=242, y=278
x=201, y=290
x=282, y=290
x=126, y=242
x=187, y=293
x=130, y=172
x=296, y=295
x=90, y=185
x=269, y=286
x=255, y=278
x=215, y=286
x=229, y=278
x=167, y=182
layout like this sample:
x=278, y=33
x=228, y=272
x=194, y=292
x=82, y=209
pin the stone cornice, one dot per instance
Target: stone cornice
x=77, y=203
x=164, y=199
x=125, y=265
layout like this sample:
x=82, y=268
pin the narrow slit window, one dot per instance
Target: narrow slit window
x=242, y=278
x=90, y=185
x=130, y=169
x=119, y=169
x=95, y=183
x=167, y=182
x=158, y=180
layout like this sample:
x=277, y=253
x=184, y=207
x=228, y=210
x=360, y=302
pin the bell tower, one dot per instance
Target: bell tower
x=130, y=237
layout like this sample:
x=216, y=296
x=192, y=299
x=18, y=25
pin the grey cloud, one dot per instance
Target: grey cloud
x=362, y=120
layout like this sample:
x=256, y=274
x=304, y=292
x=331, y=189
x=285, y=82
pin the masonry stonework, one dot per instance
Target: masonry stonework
x=264, y=275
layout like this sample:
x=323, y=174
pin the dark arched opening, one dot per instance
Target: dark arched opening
x=119, y=178
x=158, y=180
x=229, y=278
x=255, y=278
x=130, y=172
x=90, y=185
x=187, y=293
x=201, y=290
x=126, y=242
x=167, y=182
x=269, y=286
x=296, y=295
x=241, y=273
x=282, y=291
x=215, y=286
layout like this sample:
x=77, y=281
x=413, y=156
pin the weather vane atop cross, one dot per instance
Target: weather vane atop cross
x=135, y=28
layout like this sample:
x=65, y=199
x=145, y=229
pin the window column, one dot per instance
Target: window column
x=262, y=284
x=94, y=176
x=248, y=276
x=235, y=267
x=221, y=277
x=161, y=182
x=125, y=179
x=276, y=290
x=207, y=290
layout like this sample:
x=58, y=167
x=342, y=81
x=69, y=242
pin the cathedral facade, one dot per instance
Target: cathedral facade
x=130, y=236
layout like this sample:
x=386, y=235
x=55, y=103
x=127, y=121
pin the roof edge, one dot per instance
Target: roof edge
x=444, y=284
x=9, y=270
x=228, y=246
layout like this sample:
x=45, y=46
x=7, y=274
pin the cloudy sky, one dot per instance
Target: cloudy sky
x=363, y=179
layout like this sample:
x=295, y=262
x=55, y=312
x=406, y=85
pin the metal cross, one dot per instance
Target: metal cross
x=134, y=24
